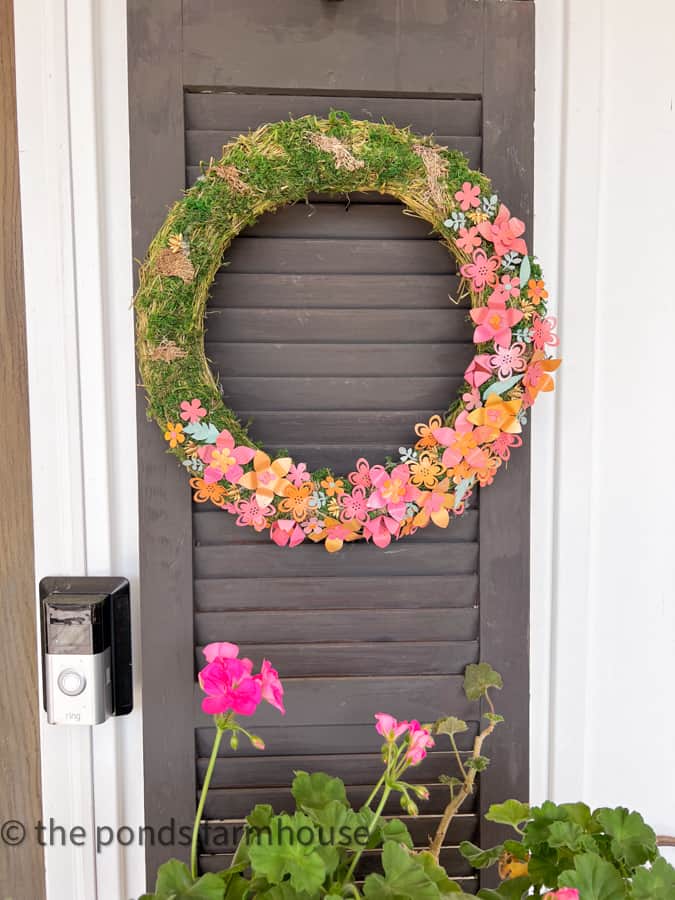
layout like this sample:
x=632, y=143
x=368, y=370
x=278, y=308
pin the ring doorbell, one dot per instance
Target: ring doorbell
x=86, y=649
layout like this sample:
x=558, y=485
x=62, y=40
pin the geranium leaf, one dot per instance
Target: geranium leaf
x=594, y=878
x=510, y=812
x=288, y=855
x=450, y=725
x=404, y=877
x=480, y=859
x=446, y=886
x=513, y=889
x=317, y=790
x=657, y=883
x=174, y=882
x=478, y=677
x=396, y=830
x=633, y=841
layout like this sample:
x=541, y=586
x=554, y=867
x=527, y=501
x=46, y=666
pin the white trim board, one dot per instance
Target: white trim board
x=74, y=161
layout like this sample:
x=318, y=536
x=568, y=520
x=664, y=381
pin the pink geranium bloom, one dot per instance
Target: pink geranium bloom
x=420, y=741
x=224, y=459
x=361, y=477
x=297, y=474
x=542, y=332
x=504, y=233
x=222, y=650
x=482, y=271
x=393, y=490
x=468, y=239
x=249, y=513
x=192, y=411
x=563, y=894
x=229, y=687
x=508, y=360
x=494, y=322
x=501, y=446
x=468, y=196
x=381, y=529
x=354, y=505
x=271, y=687
x=286, y=533
x=479, y=370
x=389, y=727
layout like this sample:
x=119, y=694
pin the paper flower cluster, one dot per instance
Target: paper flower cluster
x=433, y=479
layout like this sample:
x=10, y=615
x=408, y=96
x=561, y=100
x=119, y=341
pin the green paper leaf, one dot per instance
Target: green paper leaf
x=510, y=812
x=480, y=859
x=404, y=877
x=633, y=841
x=450, y=725
x=594, y=878
x=478, y=677
x=525, y=271
x=501, y=387
x=174, y=882
x=657, y=883
x=204, y=432
x=317, y=790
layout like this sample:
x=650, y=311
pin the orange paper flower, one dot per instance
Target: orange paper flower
x=336, y=533
x=425, y=471
x=425, y=433
x=296, y=500
x=502, y=415
x=174, y=434
x=267, y=477
x=537, y=377
x=332, y=487
x=215, y=492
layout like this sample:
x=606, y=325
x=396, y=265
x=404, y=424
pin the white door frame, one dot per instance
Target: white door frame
x=74, y=157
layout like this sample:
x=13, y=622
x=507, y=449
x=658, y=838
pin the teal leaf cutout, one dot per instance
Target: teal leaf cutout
x=501, y=387
x=525, y=271
x=462, y=488
x=204, y=432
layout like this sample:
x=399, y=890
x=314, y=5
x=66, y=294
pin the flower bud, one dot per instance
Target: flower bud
x=234, y=740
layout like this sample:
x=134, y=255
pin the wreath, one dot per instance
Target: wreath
x=432, y=480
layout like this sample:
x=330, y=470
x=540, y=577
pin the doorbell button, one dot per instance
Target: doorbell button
x=71, y=683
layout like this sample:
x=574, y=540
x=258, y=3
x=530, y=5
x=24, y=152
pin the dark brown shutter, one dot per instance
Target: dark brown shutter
x=332, y=328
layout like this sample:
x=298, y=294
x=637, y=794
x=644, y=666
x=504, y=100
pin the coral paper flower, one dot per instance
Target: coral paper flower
x=495, y=321
x=542, y=332
x=435, y=505
x=267, y=477
x=498, y=414
x=204, y=491
x=174, y=434
x=229, y=687
x=381, y=529
x=298, y=474
x=392, y=490
x=468, y=239
x=504, y=233
x=270, y=686
x=389, y=727
x=502, y=445
x=468, y=196
x=458, y=440
x=361, y=477
x=286, y=533
x=354, y=505
x=332, y=487
x=296, y=500
x=225, y=460
x=478, y=371
x=482, y=271
x=192, y=411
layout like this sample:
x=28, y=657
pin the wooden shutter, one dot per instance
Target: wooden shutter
x=332, y=329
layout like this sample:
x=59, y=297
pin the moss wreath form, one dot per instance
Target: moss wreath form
x=282, y=163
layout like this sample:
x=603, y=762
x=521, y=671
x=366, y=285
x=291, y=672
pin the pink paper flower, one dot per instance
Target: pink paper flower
x=542, y=332
x=510, y=285
x=297, y=474
x=458, y=440
x=468, y=196
x=354, y=505
x=249, y=513
x=502, y=445
x=468, y=239
x=224, y=460
x=494, y=322
x=192, y=411
x=229, y=687
x=479, y=370
x=392, y=490
x=504, y=233
x=471, y=399
x=271, y=687
x=389, y=727
x=381, y=529
x=361, y=477
x=482, y=271
x=508, y=360
x=286, y=533
x=312, y=526
x=420, y=741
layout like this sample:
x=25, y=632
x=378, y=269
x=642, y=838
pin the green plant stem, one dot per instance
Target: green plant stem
x=371, y=828
x=220, y=730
